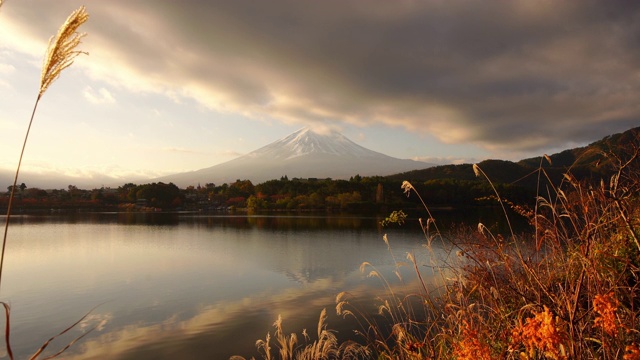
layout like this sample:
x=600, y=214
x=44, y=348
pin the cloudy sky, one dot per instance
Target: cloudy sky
x=171, y=86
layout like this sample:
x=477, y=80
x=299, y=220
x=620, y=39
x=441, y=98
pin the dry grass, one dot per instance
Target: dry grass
x=567, y=289
x=60, y=55
x=325, y=347
x=62, y=49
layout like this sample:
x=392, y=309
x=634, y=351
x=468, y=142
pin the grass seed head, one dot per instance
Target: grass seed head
x=407, y=187
x=476, y=170
x=62, y=48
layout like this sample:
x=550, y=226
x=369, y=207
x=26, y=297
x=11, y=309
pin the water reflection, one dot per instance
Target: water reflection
x=187, y=285
x=221, y=330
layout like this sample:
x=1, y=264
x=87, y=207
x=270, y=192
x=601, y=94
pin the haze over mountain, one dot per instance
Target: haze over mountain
x=53, y=180
x=303, y=154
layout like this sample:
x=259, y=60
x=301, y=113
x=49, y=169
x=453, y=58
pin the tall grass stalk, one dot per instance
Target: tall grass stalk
x=326, y=346
x=60, y=54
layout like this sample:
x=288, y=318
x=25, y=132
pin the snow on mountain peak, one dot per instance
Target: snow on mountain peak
x=306, y=141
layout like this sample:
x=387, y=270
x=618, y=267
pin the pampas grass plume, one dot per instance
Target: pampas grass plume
x=60, y=55
x=62, y=48
x=476, y=170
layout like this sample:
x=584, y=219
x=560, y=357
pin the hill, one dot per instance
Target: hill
x=593, y=162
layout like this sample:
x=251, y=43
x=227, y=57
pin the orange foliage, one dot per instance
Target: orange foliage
x=632, y=352
x=541, y=332
x=470, y=347
x=605, y=307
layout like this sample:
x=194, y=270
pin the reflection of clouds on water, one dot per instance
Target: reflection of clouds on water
x=209, y=332
x=231, y=328
x=94, y=321
x=206, y=287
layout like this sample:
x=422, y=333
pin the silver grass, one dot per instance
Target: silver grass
x=60, y=55
x=62, y=48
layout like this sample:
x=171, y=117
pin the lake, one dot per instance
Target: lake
x=167, y=286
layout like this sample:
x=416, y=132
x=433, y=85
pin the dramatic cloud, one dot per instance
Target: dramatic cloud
x=516, y=75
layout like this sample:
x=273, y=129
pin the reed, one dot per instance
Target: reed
x=325, y=347
x=60, y=54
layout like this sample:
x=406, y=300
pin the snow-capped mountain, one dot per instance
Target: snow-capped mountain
x=306, y=142
x=303, y=154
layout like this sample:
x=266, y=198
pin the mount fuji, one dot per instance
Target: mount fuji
x=303, y=154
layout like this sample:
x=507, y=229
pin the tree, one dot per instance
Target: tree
x=241, y=188
x=73, y=191
x=159, y=194
x=125, y=192
x=255, y=203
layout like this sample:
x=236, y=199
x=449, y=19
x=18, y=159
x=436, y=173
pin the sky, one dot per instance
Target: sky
x=172, y=86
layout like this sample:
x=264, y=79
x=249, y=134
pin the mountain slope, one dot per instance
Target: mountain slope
x=592, y=154
x=303, y=154
x=587, y=162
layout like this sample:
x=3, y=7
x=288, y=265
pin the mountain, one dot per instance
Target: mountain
x=593, y=154
x=303, y=154
x=588, y=162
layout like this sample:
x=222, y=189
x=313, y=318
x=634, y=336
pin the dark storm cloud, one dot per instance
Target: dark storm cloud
x=518, y=75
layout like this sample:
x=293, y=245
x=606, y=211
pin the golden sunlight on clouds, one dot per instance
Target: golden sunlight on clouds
x=100, y=96
x=23, y=43
x=179, y=150
x=5, y=85
x=7, y=69
x=495, y=75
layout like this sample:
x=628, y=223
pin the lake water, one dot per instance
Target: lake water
x=170, y=286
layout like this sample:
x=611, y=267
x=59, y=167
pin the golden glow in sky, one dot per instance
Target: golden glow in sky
x=176, y=86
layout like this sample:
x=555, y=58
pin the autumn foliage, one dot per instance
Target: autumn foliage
x=566, y=288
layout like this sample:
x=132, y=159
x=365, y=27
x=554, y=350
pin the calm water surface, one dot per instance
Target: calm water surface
x=170, y=286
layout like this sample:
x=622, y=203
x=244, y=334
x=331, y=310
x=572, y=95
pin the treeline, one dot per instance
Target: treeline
x=72, y=198
x=358, y=194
